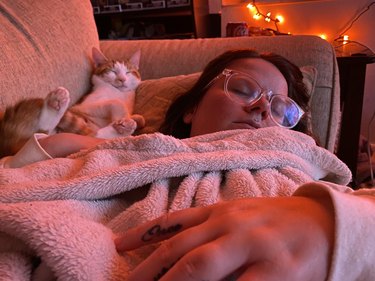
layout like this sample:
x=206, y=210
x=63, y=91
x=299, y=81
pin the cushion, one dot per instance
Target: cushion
x=43, y=45
x=154, y=96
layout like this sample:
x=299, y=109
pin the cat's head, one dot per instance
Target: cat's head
x=121, y=75
x=18, y=124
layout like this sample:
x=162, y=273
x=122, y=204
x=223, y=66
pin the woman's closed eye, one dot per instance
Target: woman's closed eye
x=245, y=92
x=242, y=90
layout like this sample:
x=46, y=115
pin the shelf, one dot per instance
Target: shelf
x=190, y=20
x=163, y=12
x=158, y=23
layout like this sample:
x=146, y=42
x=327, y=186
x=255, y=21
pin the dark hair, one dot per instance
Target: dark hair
x=173, y=123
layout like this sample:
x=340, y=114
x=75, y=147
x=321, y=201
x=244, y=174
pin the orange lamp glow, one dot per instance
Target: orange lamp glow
x=280, y=18
x=345, y=39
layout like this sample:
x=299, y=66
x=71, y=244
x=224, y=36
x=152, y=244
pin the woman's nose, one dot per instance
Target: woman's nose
x=260, y=108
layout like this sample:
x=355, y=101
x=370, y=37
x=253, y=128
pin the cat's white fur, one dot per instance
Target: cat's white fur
x=110, y=103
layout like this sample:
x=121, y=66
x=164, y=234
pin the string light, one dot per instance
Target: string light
x=345, y=39
x=257, y=14
x=280, y=18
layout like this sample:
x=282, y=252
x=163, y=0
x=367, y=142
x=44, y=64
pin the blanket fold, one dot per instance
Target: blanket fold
x=65, y=211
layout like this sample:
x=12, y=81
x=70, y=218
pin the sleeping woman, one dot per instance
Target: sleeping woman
x=306, y=236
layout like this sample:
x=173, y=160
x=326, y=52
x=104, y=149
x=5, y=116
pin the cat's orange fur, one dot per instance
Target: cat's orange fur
x=31, y=116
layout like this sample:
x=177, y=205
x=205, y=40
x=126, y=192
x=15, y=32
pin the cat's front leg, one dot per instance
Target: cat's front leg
x=54, y=107
x=119, y=128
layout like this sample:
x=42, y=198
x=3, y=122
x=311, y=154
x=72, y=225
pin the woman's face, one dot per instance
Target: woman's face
x=217, y=112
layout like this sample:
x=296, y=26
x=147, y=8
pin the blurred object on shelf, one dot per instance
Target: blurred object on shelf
x=259, y=31
x=178, y=3
x=237, y=29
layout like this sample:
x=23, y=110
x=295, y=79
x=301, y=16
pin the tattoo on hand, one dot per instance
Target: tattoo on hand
x=163, y=271
x=157, y=230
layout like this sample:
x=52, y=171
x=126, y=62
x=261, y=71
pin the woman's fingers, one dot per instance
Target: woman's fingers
x=170, y=251
x=209, y=261
x=161, y=228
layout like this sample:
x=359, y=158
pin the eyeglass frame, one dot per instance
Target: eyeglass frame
x=268, y=94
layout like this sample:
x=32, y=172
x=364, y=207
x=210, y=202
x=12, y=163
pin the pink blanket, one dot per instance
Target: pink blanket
x=61, y=215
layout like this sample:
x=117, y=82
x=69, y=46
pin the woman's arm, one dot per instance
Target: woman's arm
x=284, y=238
x=63, y=144
x=42, y=147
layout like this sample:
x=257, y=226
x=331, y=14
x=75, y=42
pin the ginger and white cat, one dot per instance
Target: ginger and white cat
x=105, y=112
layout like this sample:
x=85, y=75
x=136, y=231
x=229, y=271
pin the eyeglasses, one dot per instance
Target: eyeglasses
x=245, y=90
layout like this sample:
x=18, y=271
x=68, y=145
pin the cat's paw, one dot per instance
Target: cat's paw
x=119, y=128
x=125, y=126
x=58, y=99
x=55, y=105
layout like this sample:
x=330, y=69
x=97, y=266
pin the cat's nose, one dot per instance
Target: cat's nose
x=121, y=79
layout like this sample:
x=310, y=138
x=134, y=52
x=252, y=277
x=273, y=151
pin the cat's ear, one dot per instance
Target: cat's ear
x=98, y=57
x=135, y=59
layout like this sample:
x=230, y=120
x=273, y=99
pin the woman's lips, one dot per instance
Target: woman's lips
x=246, y=125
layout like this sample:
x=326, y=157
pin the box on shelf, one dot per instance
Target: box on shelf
x=177, y=3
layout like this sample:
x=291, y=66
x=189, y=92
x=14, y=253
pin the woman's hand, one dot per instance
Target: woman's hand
x=284, y=238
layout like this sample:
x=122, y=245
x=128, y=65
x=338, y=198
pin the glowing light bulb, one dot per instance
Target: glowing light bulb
x=345, y=39
x=268, y=17
x=280, y=18
x=257, y=16
x=323, y=36
x=251, y=7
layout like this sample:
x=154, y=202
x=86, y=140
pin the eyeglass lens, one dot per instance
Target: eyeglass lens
x=284, y=111
x=245, y=90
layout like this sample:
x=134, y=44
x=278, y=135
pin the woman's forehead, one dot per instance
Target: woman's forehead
x=266, y=74
x=253, y=65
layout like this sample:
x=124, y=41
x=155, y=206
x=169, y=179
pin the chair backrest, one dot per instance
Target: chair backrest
x=43, y=45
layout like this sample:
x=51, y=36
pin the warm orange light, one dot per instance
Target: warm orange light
x=268, y=17
x=251, y=7
x=323, y=36
x=256, y=16
x=280, y=18
x=345, y=39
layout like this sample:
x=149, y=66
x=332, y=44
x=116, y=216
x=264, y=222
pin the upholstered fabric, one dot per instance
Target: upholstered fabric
x=45, y=44
x=161, y=58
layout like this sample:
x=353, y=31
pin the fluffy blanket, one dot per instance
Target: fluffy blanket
x=58, y=217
